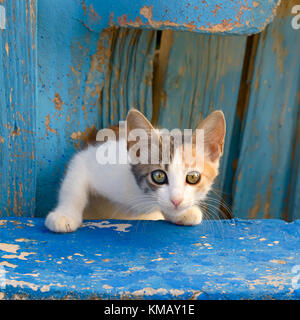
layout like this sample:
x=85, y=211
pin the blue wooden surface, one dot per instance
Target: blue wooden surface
x=267, y=177
x=235, y=259
x=214, y=16
x=18, y=50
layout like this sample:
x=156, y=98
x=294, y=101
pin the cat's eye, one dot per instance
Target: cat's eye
x=159, y=177
x=193, y=177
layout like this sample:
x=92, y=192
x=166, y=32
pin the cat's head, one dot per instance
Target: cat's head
x=179, y=184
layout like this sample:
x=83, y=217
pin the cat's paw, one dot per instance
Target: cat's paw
x=190, y=217
x=58, y=221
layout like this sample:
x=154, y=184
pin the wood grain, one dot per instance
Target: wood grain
x=17, y=109
x=267, y=175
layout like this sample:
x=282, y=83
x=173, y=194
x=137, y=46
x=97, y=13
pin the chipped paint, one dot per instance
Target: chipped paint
x=12, y=248
x=107, y=287
x=45, y=288
x=21, y=284
x=24, y=239
x=92, y=261
x=237, y=17
x=176, y=292
x=122, y=227
x=249, y=268
x=198, y=244
x=22, y=256
x=8, y=264
x=278, y=261
x=149, y=292
x=158, y=259
x=147, y=12
x=36, y=275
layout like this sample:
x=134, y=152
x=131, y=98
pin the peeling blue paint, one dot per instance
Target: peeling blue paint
x=214, y=16
x=232, y=259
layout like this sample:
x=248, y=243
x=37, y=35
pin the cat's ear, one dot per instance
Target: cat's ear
x=136, y=120
x=214, y=127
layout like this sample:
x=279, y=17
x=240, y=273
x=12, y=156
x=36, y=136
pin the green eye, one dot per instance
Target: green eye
x=193, y=177
x=159, y=177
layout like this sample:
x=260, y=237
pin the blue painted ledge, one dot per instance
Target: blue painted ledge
x=213, y=16
x=235, y=259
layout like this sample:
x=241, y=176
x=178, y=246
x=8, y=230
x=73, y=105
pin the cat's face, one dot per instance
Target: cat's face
x=174, y=187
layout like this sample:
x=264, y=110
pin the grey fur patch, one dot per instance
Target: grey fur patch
x=142, y=172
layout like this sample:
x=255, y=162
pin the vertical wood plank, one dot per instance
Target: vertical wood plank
x=69, y=85
x=203, y=74
x=292, y=203
x=266, y=166
x=129, y=78
x=17, y=109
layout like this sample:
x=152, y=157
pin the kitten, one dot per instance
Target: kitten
x=174, y=189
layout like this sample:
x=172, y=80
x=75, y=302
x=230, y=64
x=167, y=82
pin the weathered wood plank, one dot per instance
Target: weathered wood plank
x=292, y=203
x=116, y=259
x=203, y=74
x=264, y=169
x=17, y=109
x=213, y=16
x=129, y=78
x=69, y=84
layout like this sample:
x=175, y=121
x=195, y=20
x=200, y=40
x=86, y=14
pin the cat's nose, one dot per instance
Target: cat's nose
x=176, y=202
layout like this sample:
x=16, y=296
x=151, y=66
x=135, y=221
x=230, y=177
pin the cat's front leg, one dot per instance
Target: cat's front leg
x=73, y=197
x=192, y=216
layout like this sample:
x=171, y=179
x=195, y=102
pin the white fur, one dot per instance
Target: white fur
x=117, y=183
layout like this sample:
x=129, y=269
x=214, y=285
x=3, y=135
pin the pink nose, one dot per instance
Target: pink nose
x=176, y=202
